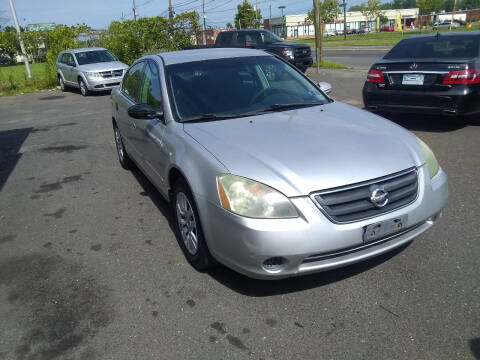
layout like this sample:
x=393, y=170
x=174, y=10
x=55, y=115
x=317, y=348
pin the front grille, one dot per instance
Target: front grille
x=113, y=73
x=302, y=52
x=352, y=203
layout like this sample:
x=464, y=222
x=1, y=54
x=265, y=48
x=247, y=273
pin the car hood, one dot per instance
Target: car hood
x=104, y=66
x=287, y=44
x=305, y=150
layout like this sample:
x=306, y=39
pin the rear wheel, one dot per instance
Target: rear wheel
x=83, y=87
x=123, y=157
x=189, y=230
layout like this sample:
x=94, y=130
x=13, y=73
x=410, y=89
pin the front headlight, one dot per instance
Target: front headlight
x=430, y=159
x=288, y=53
x=93, y=75
x=250, y=198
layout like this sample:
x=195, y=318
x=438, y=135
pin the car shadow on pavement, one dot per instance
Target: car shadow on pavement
x=475, y=347
x=11, y=142
x=262, y=288
x=151, y=191
x=427, y=123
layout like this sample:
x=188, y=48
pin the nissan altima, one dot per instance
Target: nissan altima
x=264, y=171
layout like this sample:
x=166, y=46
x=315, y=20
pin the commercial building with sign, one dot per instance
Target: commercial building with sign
x=297, y=26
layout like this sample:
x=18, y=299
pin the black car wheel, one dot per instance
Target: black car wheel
x=63, y=87
x=188, y=228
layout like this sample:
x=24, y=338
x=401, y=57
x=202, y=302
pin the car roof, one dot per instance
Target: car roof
x=185, y=56
x=455, y=34
x=85, y=49
x=244, y=30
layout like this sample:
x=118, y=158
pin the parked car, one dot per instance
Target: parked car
x=330, y=32
x=89, y=69
x=430, y=74
x=297, y=54
x=387, y=29
x=265, y=173
x=445, y=25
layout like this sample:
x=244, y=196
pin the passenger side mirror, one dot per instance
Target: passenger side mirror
x=145, y=112
x=325, y=87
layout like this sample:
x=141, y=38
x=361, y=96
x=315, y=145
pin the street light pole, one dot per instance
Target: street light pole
x=344, y=20
x=22, y=47
x=134, y=11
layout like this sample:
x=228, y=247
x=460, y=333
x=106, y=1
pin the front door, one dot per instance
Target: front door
x=130, y=95
x=152, y=144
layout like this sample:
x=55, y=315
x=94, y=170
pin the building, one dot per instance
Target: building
x=296, y=26
x=41, y=26
x=211, y=35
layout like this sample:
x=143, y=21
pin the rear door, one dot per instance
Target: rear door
x=130, y=95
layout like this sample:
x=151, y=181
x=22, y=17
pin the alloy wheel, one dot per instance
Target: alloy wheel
x=187, y=223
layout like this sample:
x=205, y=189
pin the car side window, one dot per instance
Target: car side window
x=132, y=81
x=150, y=92
x=70, y=60
x=225, y=39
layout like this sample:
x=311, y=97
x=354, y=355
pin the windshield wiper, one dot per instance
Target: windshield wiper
x=209, y=117
x=274, y=107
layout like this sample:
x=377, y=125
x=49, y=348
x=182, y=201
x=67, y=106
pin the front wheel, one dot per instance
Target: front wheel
x=188, y=228
x=63, y=87
x=83, y=87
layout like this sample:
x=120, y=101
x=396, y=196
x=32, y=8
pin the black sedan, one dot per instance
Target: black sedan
x=427, y=74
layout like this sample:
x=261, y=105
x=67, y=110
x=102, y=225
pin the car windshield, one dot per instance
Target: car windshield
x=235, y=87
x=94, y=56
x=436, y=47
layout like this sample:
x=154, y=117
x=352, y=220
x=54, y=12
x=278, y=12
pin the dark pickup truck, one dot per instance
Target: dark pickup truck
x=296, y=53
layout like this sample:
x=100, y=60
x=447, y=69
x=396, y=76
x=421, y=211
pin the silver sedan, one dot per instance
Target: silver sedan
x=265, y=172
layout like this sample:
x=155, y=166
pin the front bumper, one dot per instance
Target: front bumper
x=457, y=100
x=312, y=243
x=102, y=84
x=304, y=62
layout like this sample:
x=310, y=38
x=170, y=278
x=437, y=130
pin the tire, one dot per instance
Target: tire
x=123, y=157
x=188, y=228
x=303, y=69
x=83, y=87
x=63, y=87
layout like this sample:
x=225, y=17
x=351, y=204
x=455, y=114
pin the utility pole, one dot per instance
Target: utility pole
x=134, y=11
x=270, y=6
x=256, y=19
x=344, y=20
x=453, y=12
x=318, y=33
x=22, y=47
x=170, y=9
x=204, y=25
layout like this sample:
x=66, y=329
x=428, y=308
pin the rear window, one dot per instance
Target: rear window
x=438, y=47
x=225, y=38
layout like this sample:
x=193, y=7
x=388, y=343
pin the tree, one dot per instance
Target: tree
x=383, y=19
x=429, y=6
x=469, y=4
x=371, y=9
x=354, y=8
x=9, y=44
x=246, y=16
x=229, y=25
x=329, y=11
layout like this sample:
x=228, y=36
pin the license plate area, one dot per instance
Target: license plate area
x=413, y=79
x=383, y=229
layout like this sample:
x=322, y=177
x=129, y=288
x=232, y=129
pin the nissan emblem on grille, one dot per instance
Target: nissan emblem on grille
x=378, y=196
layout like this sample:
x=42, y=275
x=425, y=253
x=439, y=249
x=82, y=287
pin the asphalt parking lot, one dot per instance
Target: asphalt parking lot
x=90, y=268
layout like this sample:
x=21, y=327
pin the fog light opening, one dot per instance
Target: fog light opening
x=274, y=264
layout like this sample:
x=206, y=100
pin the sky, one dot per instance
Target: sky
x=99, y=13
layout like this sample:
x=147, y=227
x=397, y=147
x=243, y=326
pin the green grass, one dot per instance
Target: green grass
x=330, y=65
x=13, y=79
x=380, y=38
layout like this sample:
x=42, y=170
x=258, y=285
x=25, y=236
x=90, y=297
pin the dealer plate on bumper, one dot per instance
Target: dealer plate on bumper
x=412, y=79
x=384, y=228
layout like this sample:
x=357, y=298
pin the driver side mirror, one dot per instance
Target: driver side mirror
x=145, y=112
x=325, y=87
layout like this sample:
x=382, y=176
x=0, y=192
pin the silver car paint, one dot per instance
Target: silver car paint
x=296, y=152
x=70, y=74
